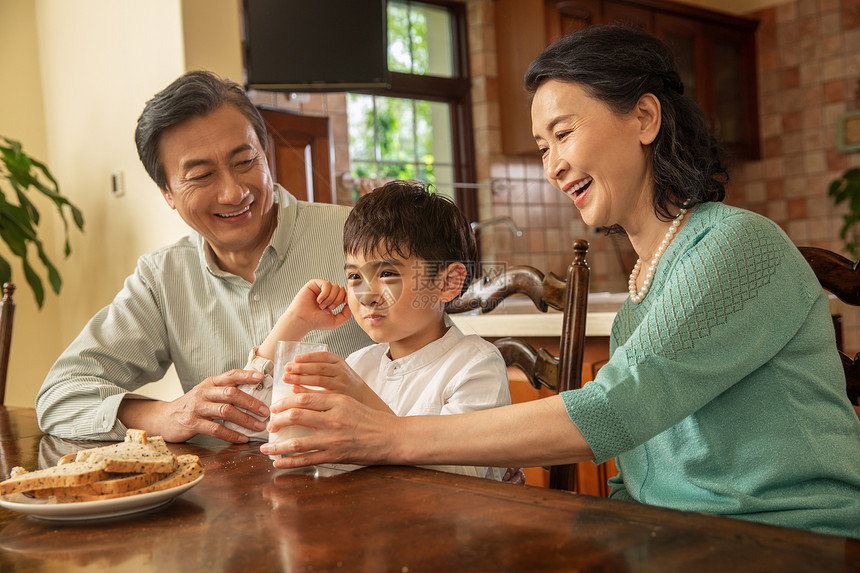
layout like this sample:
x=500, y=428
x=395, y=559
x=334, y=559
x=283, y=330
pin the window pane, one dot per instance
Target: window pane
x=438, y=41
x=364, y=169
x=406, y=138
x=419, y=39
x=443, y=178
x=433, y=130
x=399, y=48
x=359, y=114
x=394, y=130
x=409, y=139
x=435, y=146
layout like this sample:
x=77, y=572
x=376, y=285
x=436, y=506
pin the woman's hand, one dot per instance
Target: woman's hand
x=331, y=372
x=345, y=431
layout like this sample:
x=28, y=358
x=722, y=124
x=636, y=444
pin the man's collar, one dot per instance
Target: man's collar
x=287, y=209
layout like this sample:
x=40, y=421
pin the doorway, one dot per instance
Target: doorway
x=300, y=154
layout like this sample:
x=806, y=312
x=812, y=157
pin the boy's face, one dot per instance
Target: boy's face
x=397, y=300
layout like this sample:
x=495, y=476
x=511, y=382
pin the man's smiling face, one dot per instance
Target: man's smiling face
x=218, y=180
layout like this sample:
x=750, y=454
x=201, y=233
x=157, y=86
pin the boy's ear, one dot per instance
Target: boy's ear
x=452, y=279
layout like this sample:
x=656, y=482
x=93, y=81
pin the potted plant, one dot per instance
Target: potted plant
x=847, y=188
x=19, y=217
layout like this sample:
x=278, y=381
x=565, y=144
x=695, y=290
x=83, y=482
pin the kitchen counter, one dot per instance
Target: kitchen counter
x=517, y=316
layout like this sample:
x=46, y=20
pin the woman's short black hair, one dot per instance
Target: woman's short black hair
x=407, y=219
x=619, y=64
x=192, y=94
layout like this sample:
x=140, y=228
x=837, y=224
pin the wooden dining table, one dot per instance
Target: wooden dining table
x=247, y=516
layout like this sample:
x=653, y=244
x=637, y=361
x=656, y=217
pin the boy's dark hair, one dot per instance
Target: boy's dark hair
x=406, y=219
x=617, y=65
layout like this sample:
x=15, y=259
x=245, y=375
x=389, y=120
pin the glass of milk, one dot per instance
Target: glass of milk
x=285, y=352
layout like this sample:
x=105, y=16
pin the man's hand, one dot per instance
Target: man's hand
x=195, y=412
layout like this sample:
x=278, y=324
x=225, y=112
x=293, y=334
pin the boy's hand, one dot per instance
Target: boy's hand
x=314, y=306
x=312, y=309
x=331, y=372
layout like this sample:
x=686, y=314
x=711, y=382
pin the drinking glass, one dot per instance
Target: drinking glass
x=285, y=352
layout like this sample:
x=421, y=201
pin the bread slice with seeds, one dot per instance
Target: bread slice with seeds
x=114, y=484
x=66, y=475
x=188, y=469
x=137, y=454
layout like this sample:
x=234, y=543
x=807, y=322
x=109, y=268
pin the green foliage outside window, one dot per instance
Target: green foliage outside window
x=407, y=40
x=393, y=137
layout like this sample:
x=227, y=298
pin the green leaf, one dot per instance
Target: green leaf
x=53, y=275
x=34, y=281
x=77, y=216
x=47, y=174
x=22, y=175
x=5, y=271
x=32, y=212
x=14, y=239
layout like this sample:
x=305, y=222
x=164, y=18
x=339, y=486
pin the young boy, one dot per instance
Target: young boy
x=408, y=253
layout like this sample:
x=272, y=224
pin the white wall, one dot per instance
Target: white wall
x=22, y=118
x=83, y=71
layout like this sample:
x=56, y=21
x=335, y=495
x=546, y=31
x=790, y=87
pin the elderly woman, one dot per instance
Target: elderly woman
x=724, y=392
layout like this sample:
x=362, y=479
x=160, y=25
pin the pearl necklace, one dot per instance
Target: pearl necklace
x=638, y=295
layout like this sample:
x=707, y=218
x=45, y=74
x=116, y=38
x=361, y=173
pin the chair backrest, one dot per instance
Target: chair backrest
x=7, y=314
x=558, y=373
x=840, y=276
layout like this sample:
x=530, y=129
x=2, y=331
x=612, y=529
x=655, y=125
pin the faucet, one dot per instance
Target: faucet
x=517, y=232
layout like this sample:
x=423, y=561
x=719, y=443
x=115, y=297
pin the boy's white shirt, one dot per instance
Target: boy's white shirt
x=451, y=375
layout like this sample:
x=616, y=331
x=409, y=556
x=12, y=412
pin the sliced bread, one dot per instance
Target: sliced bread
x=71, y=474
x=136, y=454
x=188, y=469
x=115, y=483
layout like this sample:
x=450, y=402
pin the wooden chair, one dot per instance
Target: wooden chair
x=7, y=313
x=840, y=276
x=558, y=373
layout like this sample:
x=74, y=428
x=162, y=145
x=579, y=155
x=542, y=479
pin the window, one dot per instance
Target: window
x=420, y=127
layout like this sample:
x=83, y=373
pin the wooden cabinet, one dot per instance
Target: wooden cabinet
x=717, y=65
x=715, y=54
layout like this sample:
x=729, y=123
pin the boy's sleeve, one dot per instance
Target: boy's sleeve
x=480, y=384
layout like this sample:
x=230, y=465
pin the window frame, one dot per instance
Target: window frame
x=456, y=92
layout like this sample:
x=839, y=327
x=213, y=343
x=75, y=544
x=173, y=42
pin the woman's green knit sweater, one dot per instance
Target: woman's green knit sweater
x=724, y=392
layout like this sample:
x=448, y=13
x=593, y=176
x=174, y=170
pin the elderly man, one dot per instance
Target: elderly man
x=202, y=302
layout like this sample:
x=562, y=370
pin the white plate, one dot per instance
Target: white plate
x=82, y=510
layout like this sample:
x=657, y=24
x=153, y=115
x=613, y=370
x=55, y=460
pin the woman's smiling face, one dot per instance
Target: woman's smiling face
x=595, y=156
